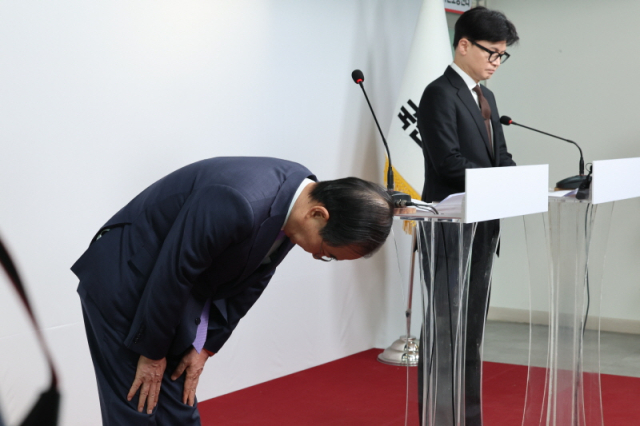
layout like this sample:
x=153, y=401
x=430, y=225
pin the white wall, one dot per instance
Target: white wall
x=99, y=99
x=574, y=74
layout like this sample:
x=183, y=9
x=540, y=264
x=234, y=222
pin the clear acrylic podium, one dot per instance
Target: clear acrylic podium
x=445, y=243
x=566, y=251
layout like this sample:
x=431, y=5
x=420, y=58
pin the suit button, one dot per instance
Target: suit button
x=197, y=321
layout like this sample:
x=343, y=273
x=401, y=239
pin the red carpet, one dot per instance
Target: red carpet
x=358, y=391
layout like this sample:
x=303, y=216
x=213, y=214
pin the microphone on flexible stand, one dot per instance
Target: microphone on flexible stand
x=400, y=199
x=581, y=181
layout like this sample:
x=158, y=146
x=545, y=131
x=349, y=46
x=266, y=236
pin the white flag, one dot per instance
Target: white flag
x=429, y=56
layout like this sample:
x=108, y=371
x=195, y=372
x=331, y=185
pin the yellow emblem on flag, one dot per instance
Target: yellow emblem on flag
x=400, y=184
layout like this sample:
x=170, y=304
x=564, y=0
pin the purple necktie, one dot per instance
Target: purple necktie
x=201, y=333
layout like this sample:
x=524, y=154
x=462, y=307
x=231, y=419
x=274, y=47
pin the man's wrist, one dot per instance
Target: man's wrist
x=209, y=352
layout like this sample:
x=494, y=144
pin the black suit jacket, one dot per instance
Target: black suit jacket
x=454, y=137
x=199, y=233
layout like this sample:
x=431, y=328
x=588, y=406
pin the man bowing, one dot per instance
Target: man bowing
x=167, y=279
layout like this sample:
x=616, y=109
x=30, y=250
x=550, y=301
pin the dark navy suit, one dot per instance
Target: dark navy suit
x=200, y=233
x=454, y=138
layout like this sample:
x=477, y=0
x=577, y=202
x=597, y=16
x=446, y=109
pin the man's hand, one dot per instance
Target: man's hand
x=193, y=364
x=148, y=380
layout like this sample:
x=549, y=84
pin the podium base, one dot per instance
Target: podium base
x=403, y=351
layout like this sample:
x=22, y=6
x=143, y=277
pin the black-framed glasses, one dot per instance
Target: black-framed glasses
x=323, y=257
x=493, y=55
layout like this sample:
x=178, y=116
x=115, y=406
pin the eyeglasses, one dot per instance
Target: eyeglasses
x=323, y=257
x=493, y=55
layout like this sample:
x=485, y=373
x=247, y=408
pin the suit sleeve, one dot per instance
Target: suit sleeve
x=438, y=121
x=227, y=313
x=209, y=221
x=504, y=155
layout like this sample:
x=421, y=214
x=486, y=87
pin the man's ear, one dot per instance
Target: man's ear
x=319, y=213
x=463, y=46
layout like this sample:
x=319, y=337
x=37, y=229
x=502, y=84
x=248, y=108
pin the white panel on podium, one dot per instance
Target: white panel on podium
x=498, y=192
x=615, y=180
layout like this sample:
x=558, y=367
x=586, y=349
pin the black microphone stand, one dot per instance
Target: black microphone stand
x=403, y=351
x=400, y=199
x=572, y=182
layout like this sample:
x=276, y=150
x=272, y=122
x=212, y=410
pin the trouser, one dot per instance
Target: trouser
x=115, y=368
x=438, y=341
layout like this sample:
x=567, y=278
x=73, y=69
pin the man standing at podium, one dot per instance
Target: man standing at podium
x=460, y=129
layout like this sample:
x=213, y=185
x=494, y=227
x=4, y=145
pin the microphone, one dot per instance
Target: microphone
x=357, y=76
x=400, y=199
x=570, y=182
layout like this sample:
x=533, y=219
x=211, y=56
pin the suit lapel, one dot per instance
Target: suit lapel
x=270, y=228
x=464, y=94
x=267, y=234
x=281, y=252
x=495, y=124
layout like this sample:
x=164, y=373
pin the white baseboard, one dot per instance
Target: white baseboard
x=615, y=325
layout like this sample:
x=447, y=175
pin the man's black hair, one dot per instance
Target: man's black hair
x=360, y=214
x=481, y=23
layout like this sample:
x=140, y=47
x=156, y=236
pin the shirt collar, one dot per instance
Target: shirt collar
x=302, y=186
x=470, y=82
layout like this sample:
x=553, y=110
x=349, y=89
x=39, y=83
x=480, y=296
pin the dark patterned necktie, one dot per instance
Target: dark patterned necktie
x=486, y=113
